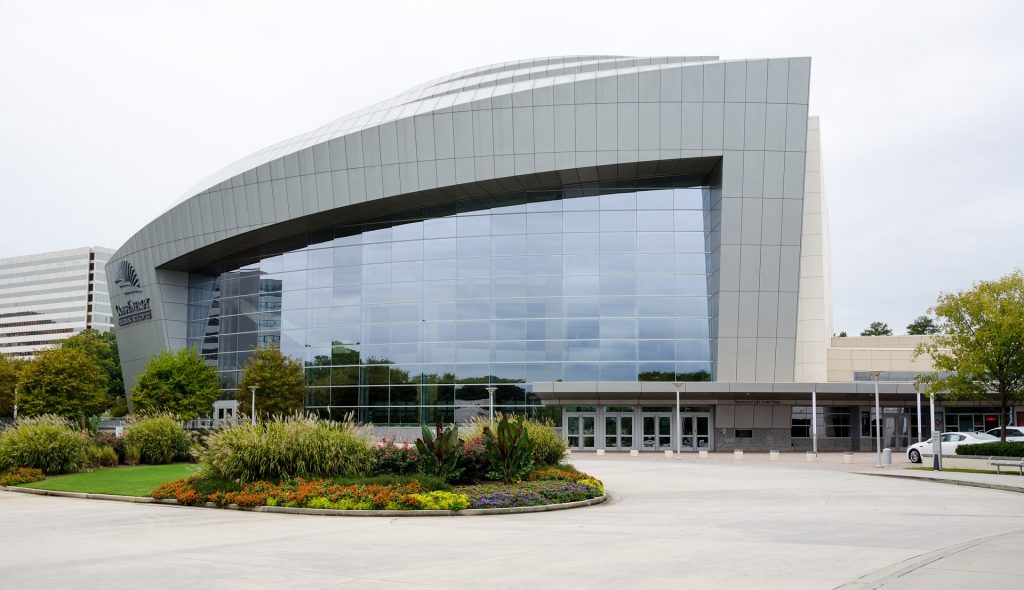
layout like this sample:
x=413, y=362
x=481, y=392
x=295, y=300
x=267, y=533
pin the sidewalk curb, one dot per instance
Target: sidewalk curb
x=955, y=482
x=317, y=511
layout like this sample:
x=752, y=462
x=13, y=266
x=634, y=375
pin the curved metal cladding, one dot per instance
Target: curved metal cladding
x=535, y=124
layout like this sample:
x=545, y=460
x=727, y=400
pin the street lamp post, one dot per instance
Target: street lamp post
x=679, y=426
x=490, y=400
x=878, y=419
x=252, y=408
x=15, y=403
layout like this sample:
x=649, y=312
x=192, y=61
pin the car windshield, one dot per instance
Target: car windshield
x=983, y=436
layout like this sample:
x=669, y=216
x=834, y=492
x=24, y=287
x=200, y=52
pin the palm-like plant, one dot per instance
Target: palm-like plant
x=509, y=449
x=440, y=451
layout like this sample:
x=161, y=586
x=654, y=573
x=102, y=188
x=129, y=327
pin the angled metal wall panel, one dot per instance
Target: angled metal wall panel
x=518, y=125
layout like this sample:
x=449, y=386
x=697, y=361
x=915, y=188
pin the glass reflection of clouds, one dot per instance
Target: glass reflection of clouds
x=406, y=319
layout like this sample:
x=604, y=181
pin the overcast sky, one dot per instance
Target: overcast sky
x=109, y=111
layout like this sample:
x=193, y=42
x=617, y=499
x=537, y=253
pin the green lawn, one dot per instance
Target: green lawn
x=120, y=481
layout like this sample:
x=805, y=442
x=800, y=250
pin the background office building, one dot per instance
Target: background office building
x=45, y=298
x=579, y=233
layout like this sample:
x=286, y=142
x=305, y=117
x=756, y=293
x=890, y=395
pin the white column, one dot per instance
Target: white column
x=878, y=420
x=814, y=418
x=920, y=435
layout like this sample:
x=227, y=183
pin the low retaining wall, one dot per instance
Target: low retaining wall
x=317, y=511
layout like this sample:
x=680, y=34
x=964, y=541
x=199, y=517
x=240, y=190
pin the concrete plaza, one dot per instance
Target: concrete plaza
x=669, y=522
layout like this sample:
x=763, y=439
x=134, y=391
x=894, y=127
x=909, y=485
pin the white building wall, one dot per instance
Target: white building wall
x=45, y=298
x=814, y=315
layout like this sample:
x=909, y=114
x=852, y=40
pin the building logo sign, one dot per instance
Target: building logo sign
x=126, y=279
x=133, y=311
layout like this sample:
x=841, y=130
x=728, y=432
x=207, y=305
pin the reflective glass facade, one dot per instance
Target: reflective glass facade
x=406, y=319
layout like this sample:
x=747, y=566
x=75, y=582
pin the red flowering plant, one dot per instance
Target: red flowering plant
x=473, y=461
x=393, y=458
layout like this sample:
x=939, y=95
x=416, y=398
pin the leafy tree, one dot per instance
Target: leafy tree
x=877, y=329
x=922, y=325
x=102, y=348
x=10, y=370
x=980, y=348
x=842, y=334
x=281, y=383
x=65, y=382
x=179, y=382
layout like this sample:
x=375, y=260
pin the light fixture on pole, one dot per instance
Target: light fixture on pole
x=490, y=400
x=814, y=419
x=878, y=418
x=15, y=403
x=679, y=426
x=252, y=408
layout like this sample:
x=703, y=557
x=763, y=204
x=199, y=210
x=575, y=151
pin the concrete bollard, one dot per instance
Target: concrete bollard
x=668, y=454
x=737, y=454
x=848, y=458
x=811, y=456
x=702, y=454
x=600, y=452
x=773, y=455
x=634, y=453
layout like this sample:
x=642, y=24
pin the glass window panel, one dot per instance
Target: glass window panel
x=581, y=221
x=692, y=350
x=618, y=264
x=618, y=285
x=508, y=224
x=472, y=246
x=614, y=307
x=581, y=264
x=656, y=329
x=473, y=310
x=689, y=241
x=407, y=231
x=618, y=328
x=619, y=202
x=443, y=227
x=544, y=265
x=544, y=244
x=543, y=223
x=581, y=372
x=478, y=225
x=618, y=350
x=543, y=372
x=618, y=372
x=591, y=203
x=581, y=243
x=661, y=242
x=509, y=266
x=618, y=221
x=322, y=277
x=618, y=242
x=508, y=245
x=439, y=270
x=473, y=288
x=440, y=248
x=689, y=198
x=656, y=199
x=403, y=251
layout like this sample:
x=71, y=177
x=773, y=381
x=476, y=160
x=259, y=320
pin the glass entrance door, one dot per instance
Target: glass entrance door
x=579, y=430
x=618, y=432
x=695, y=432
x=657, y=432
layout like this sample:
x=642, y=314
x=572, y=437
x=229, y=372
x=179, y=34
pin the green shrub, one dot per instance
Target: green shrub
x=46, y=442
x=132, y=455
x=107, y=439
x=20, y=475
x=548, y=447
x=993, y=449
x=440, y=451
x=298, y=446
x=100, y=456
x=160, y=439
x=509, y=449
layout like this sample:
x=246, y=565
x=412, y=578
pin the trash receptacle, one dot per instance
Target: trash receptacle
x=886, y=456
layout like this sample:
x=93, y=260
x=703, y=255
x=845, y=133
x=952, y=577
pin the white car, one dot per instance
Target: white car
x=1013, y=433
x=949, y=441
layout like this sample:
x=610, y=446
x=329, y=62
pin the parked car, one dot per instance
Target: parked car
x=1013, y=433
x=949, y=441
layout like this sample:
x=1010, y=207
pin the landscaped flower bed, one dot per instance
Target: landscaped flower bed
x=549, y=485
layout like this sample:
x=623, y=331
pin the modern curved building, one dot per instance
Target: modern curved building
x=576, y=232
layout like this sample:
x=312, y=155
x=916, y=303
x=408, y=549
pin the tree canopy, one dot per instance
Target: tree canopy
x=10, y=371
x=921, y=326
x=102, y=348
x=179, y=382
x=281, y=383
x=877, y=329
x=62, y=381
x=980, y=348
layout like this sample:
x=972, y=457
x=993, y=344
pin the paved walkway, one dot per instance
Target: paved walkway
x=669, y=523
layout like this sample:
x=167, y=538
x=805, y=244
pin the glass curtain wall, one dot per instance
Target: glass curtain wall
x=408, y=319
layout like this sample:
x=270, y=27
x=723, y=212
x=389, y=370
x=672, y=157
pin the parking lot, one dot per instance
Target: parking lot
x=719, y=523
